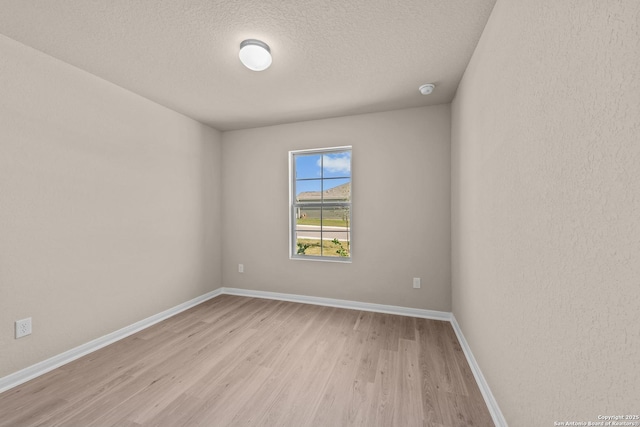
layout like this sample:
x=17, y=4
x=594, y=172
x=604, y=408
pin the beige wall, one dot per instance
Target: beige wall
x=546, y=208
x=109, y=206
x=401, y=209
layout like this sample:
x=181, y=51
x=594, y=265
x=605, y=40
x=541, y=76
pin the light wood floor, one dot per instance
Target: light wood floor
x=235, y=361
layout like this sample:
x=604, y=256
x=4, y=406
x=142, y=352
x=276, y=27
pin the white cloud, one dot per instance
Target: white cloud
x=337, y=163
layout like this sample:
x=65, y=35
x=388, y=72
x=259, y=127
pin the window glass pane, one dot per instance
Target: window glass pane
x=308, y=242
x=336, y=165
x=338, y=246
x=323, y=190
x=336, y=219
x=308, y=191
x=337, y=190
x=308, y=215
x=307, y=166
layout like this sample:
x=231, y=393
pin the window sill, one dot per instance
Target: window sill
x=321, y=259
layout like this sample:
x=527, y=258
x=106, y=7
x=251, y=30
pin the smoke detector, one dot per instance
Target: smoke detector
x=426, y=89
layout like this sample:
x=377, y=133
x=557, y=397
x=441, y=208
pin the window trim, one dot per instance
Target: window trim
x=292, y=223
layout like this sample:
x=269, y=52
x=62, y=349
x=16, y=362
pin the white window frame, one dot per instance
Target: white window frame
x=293, y=205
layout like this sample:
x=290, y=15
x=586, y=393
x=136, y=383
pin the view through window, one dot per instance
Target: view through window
x=321, y=204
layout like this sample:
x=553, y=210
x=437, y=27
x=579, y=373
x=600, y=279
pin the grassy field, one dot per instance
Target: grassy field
x=329, y=248
x=327, y=222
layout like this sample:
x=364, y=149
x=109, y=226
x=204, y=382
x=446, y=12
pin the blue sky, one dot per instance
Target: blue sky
x=335, y=165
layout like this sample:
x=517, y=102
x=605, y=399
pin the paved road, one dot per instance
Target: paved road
x=328, y=233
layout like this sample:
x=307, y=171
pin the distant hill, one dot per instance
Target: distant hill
x=341, y=192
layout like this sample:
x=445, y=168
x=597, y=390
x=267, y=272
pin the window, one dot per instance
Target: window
x=320, y=204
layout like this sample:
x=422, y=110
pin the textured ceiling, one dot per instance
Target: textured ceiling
x=330, y=57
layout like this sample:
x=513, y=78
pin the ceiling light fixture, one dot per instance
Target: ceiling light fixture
x=426, y=89
x=255, y=55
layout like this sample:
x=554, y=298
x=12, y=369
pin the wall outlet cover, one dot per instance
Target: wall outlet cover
x=23, y=327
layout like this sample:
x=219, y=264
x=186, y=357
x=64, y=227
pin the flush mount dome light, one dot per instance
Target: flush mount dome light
x=255, y=55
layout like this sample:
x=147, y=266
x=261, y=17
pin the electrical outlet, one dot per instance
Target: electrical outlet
x=416, y=282
x=240, y=268
x=23, y=327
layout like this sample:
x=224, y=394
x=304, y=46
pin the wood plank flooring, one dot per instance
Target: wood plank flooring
x=238, y=361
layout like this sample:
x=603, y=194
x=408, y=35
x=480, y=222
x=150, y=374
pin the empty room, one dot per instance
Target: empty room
x=320, y=213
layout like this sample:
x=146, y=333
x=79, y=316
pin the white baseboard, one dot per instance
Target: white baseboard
x=45, y=366
x=489, y=399
x=54, y=362
x=340, y=303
